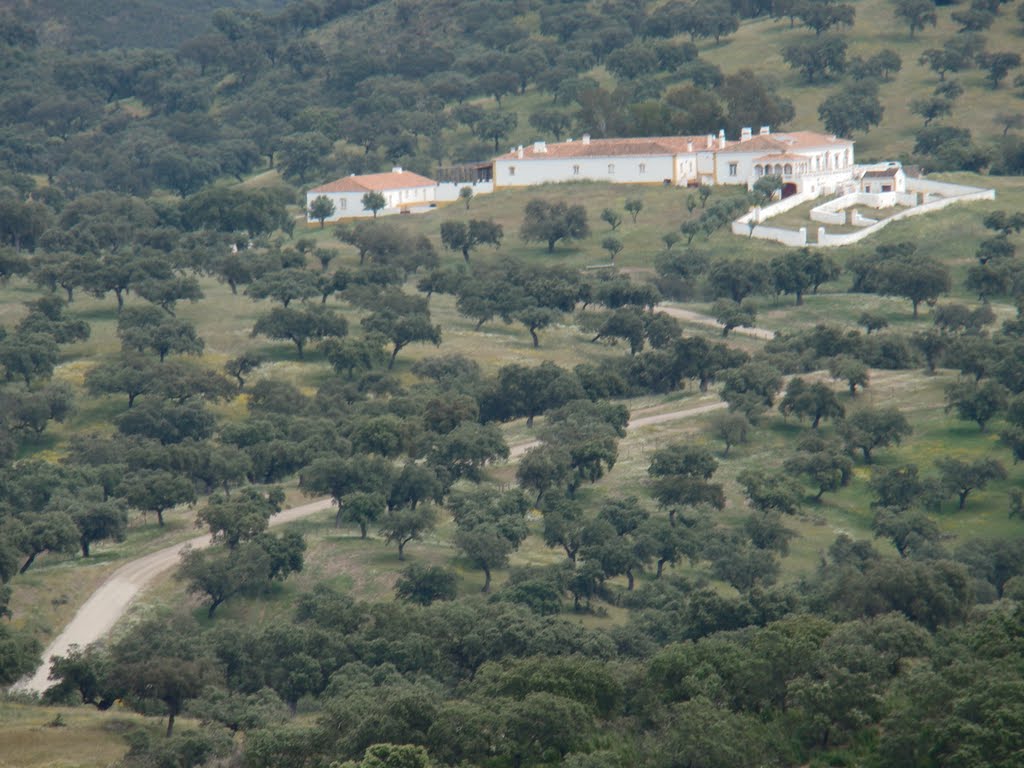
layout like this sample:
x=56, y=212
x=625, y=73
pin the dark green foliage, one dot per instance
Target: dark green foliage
x=423, y=584
x=551, y=222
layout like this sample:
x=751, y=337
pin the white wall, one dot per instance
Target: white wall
x=793, y=237
x=349, y=205
x=825, y=239
x=827, y=217
x=346, y=204
x=448, y=191
x=860, y=221
x=637, y=169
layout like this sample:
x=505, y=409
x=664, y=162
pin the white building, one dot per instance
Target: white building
x=807, y=161
x=401, y=189
x=890, y=178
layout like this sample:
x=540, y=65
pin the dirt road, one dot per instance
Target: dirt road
x=107, y=604
x=699, y=319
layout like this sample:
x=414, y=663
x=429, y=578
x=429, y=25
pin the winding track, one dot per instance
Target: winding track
x=110, y=601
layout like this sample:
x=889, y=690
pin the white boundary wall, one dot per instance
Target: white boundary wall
x=756, y=215
x=448, y=191
x=935, y=195
x=938, y=195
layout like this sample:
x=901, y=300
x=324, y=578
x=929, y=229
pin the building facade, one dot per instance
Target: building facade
x=805, y=160
x=401, y=189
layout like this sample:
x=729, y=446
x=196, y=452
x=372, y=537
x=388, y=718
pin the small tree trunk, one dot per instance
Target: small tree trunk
x=536, y=341
x=28, y=563
x=85, y=547
x=362, y=529
x=963, y=497
x=160, y=517
x=401, y=550
x=170, y=722
x=487, y=580
x=394, y=354
x=661, y=566
x=629, y=580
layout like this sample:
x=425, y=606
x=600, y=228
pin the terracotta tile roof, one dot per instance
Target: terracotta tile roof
x=781, y=142
x=377, y=182
x=657, y=145
x=887, y=173
x=674, y=145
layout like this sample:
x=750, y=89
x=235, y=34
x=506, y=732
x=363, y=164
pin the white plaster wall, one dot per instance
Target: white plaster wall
x=627, y=170
x=825, y=217
x=349, y=205
x=857, y=220
x=793, y=237
x=882, y=200
x=825, y=239
x=346, y=204
x=943, y=188
x=447, y=192
x=768, y=211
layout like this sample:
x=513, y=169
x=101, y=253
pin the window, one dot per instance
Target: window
x=788, y=169
x=758, y=170
x=611, y=168
x=733, y=168
x=575, y=170
x=342, y=204
x=643, y=168
x=887, y=187
x=511, y=170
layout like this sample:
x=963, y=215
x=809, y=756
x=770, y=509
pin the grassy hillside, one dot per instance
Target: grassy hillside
x=368, y=569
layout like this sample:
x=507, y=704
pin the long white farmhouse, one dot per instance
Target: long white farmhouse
x=810, y=162
x=401, y=190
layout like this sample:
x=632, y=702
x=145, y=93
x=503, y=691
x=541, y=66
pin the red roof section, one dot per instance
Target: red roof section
x=775, y=143
x=657, y=145
x=377, y=182
x=783, y=142
x=884, y=174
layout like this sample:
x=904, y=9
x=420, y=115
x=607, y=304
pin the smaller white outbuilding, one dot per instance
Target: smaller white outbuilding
x=875, y=181
x=401, y=190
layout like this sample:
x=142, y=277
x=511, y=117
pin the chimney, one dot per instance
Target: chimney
x=711, y=140
x=689, y=146
x=745, y=134
x=586, y=138
x=539, y=147
x=519, y=152
x=396, y=169
x=721, y=138
x=765, y=130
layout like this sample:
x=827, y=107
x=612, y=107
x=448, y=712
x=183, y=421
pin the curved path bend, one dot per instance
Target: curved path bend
x=110, y=601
